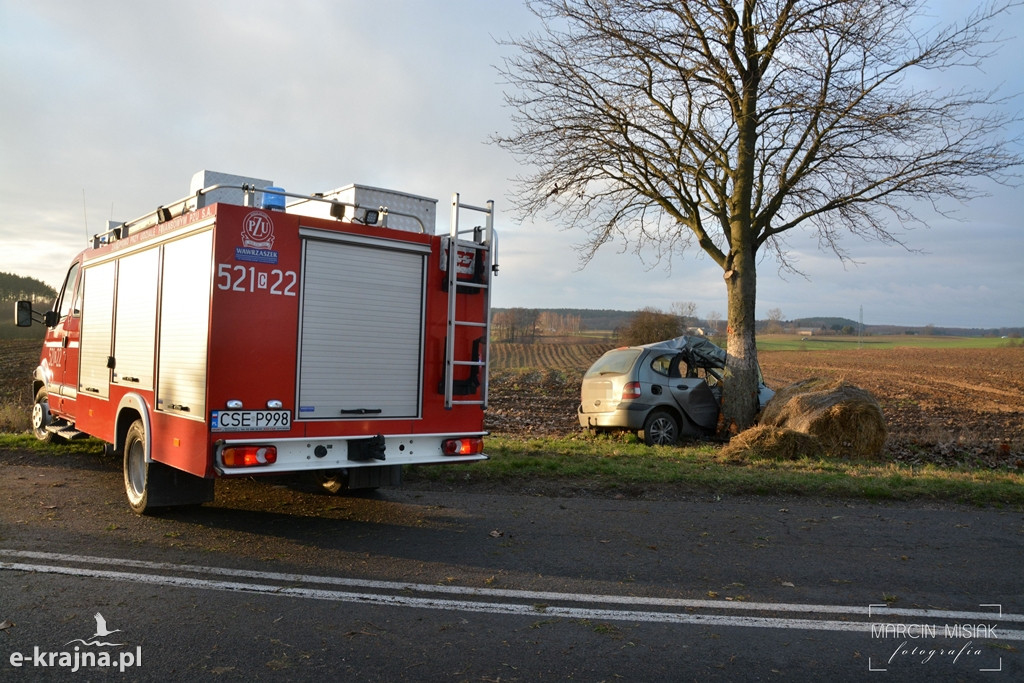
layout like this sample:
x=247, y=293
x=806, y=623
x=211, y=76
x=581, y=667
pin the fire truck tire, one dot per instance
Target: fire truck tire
x=148, y=484
x=136, y=469
x=152, y=485
x=41, y=417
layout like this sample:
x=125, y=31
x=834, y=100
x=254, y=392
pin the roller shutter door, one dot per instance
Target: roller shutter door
x=135, y=321
x=361, y=330
x=97, y=319
x=184, y=325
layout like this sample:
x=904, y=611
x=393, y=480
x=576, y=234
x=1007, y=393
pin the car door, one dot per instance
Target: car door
x=692, y=394
x=62, y=341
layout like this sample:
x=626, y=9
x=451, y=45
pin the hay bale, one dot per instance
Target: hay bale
x=762, y=441
x=846, y=420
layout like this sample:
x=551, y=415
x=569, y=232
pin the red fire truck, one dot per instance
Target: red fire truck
x=247, y=330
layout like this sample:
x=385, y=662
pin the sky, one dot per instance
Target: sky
x=109, y=107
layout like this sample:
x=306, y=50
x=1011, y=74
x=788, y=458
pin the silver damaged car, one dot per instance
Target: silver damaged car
x=661, y=391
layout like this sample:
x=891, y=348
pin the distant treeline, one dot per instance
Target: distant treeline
x=19, y=288
x=524, y=324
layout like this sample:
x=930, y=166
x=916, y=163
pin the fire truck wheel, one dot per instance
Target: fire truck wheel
x=137, y=482
x=41, y=417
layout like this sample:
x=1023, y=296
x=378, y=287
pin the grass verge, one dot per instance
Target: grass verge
x=27, y=442
x=613, y=465
x=620, y=465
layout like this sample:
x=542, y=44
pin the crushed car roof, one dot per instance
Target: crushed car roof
x=697, y=351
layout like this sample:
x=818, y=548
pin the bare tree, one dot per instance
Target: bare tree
x=516, y=325
x=500, y=323
x=650, y=325
x=550, y=322
x=525, y=322
x=686, y=310
x=774, y=321
x=714, y=318
x=726, y=123
x=547, y=322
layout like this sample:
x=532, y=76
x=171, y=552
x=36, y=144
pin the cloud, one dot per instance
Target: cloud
x=110, y=107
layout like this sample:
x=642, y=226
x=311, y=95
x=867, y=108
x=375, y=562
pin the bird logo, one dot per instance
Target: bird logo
x=101, y=632
x=101, y=627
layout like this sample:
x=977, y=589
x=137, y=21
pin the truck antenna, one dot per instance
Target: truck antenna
x=85, y=215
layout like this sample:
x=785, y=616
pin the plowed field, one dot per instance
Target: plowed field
x=949, y=406
x=18, y=357
x=942, y=405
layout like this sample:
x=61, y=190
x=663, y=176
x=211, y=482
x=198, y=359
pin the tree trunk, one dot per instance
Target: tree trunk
x=739, y=395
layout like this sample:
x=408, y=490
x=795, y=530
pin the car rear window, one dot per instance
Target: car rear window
x=614, y=362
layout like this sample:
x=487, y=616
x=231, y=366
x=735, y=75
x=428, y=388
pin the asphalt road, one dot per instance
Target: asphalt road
x=273, y=582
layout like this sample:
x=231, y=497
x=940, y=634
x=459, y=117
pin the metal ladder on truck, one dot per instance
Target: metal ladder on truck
x=483, y=241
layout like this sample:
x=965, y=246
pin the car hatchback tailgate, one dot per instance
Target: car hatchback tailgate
x=598, y=396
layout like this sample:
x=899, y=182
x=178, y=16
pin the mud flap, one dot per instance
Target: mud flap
x=170, y=487
x=373, y=477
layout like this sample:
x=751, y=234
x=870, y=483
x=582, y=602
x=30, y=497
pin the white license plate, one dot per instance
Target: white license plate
x=250, y=420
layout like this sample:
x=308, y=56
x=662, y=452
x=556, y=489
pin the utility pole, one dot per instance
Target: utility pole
x=860, y=327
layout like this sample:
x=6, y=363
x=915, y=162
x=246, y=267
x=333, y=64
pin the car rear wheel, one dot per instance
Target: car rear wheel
x=661, y=428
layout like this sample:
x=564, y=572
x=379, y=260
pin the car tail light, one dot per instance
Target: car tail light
x=470, y=446
x=248, y=456
x=631, y=391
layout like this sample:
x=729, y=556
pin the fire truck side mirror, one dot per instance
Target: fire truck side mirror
x=23, y=314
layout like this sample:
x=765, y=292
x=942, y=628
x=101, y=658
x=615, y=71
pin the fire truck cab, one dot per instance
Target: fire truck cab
x=247, y=330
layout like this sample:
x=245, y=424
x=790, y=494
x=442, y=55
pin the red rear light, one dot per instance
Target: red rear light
x=631, y=391
x=248, y=456
x=470, y=446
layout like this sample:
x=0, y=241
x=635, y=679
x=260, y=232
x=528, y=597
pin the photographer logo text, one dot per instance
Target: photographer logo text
x=85, y=654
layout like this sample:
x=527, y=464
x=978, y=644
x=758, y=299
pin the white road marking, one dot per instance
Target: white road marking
x=533, y=603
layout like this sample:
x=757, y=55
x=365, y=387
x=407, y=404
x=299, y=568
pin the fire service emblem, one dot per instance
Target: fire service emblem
x=258, y=230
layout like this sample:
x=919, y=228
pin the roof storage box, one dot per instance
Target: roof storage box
x=231, y=195
x=403, y=211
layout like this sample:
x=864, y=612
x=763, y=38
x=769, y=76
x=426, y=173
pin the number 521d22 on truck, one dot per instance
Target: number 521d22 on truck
x=247, y=330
